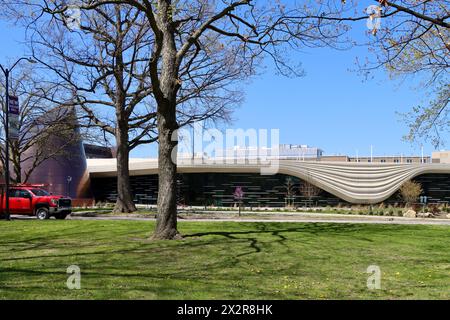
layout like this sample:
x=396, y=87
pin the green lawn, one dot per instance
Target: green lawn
x=223, y=260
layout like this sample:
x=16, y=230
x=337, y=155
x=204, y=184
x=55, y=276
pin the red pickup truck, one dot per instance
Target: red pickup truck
x=33, y=200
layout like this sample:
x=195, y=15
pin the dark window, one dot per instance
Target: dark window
x=18, y=193
x=22, y=194
x=14, y=193
x=40, y=192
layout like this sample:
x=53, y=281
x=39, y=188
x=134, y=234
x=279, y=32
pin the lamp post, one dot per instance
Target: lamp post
x=7, y=72
x=69, y=179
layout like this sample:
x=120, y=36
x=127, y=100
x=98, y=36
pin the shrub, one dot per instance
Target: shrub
x=410, y=192
x=417, y=207
x=434, y=209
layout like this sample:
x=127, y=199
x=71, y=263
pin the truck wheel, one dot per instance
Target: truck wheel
x=42, y=213
x=61, y=216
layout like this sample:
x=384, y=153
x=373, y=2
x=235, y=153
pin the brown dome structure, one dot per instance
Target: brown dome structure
x=65, y=172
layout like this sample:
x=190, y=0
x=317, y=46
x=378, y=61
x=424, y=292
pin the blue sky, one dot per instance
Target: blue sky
x=330, y=107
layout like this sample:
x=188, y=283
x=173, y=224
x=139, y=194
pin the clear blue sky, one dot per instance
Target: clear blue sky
x=330, y=107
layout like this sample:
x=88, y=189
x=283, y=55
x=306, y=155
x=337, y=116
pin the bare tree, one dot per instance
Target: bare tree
x=289, y=192
x=103, y=65
x=39, y=120
x=106, y=63
x=200, y=50
x=309, y=191
x=239, y=33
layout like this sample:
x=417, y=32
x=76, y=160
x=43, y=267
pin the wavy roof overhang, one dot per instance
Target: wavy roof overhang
x=352, y=182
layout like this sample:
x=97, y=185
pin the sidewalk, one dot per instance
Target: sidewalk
x=273, y=217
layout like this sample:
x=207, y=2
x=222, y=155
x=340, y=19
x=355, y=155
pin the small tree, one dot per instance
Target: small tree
x=410, y=192
x=290, y=192
x=239, y=196
x=309, y=191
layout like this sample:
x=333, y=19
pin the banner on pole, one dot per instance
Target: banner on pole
x=14, y=112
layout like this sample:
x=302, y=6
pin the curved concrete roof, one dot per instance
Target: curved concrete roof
x=352, y=182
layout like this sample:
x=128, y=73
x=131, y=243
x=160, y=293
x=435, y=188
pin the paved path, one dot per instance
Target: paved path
x=311, y=218
x=298, y=217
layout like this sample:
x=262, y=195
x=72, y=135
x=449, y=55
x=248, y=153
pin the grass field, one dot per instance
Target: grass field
x=223, y=260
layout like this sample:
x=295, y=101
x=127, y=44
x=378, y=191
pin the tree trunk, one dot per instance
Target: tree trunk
x=124, y=202
x=15, y=178
x=166, y=223
x=166, y=90
x=17, y=171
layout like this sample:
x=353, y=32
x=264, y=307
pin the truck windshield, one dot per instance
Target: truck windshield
x=40, y=192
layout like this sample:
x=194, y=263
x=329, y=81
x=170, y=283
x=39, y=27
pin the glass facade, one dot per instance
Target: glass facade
x=217, y=189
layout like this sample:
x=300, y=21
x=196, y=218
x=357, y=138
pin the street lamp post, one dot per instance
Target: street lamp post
x=69, y=179
x=7, y=72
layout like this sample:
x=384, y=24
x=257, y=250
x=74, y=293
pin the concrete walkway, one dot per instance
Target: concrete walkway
x=264, y=217
x=297, y=217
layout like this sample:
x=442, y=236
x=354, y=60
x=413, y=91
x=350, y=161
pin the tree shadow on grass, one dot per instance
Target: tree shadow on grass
x=277, y=230
x=250, y=239
x=257, y=235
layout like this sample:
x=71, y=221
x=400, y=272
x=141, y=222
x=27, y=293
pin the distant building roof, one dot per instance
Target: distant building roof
x=93, y=151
